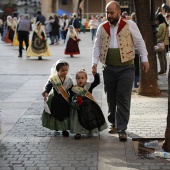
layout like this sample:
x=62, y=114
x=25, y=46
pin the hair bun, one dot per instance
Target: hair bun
x=82, y=69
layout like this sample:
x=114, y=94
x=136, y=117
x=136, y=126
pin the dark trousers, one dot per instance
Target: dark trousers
x=118, y=82
x=50, y=34
x=65, y=34
x=23, y=36
x=162, y=61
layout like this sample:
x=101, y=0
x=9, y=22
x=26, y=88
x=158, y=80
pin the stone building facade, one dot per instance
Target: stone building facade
x=88, y=7
x=48, y=7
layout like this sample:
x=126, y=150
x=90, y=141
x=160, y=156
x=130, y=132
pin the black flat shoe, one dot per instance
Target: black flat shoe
x=77, y=136
x=40, y=58
x=122, y=136
x=65, y=133
x=161, y=73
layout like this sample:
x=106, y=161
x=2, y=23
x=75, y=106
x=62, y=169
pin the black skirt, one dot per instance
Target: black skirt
x=90, y=115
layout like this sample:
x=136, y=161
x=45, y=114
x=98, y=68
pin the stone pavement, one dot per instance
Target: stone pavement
x=26, y=145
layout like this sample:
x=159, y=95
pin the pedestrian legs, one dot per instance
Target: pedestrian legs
x=118, y=82
x=162, y=61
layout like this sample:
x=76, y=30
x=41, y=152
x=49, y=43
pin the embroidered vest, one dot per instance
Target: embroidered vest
x=124, y=39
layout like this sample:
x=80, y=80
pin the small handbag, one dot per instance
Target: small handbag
x=160, y=46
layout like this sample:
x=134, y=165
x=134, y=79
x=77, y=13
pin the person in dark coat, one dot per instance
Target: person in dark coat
x=40, y=18
x=23, y=29
x=55, y=30
x=48, y=27
x=76, y=23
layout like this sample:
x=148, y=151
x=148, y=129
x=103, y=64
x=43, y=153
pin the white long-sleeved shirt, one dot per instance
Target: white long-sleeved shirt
x=136, y=36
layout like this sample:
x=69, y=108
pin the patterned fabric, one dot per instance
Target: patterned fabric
x=66, y=84
x=124, y=38
x=60, y=109
x=86, y=115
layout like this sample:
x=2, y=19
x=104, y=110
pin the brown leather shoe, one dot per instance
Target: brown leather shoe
x=122, y=136
x=112, y=129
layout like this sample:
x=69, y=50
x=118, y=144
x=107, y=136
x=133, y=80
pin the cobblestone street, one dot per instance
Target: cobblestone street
x=26, y=145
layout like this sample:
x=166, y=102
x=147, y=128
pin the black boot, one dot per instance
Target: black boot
x=65, y=133
x=39, y=58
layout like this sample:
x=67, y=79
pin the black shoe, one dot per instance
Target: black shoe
x=112, y=129
x=122, y=136
x=65, y=133
x=161, y=73
x=77, y=136
x=71, y=55
x=40, y=58
x=20, y=55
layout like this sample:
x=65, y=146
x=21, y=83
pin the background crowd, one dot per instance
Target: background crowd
x=55, y=29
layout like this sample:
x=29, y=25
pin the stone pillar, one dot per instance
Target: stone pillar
x=46, y=7
x=168, y=2
x=75, y=4
x=82, y=7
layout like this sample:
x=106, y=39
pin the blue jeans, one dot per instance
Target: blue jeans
x=93, y=33
x=54, y=37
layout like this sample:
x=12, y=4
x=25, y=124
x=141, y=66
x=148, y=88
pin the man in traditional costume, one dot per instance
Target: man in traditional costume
x=114, y=46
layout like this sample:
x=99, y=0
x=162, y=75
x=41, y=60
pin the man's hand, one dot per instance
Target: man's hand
x=94, y=69
x=145, y=66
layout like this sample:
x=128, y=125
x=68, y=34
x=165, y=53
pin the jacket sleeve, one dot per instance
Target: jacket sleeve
x=34, y=36
x=43, y=35
x=95, y=82
x=48, y=88
x=159, y=34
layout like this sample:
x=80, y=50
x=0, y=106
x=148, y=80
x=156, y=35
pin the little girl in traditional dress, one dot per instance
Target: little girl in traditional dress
x=56, y=96
x=86, y=116
x=39, y=46
x=72, y=40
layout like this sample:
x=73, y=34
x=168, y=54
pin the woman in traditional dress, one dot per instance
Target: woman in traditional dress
x=7, y=30
x=72, y=40
x=12, y=28
x=56, y=116
x=55, y=31
x=39, y=46
x=86, y=116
